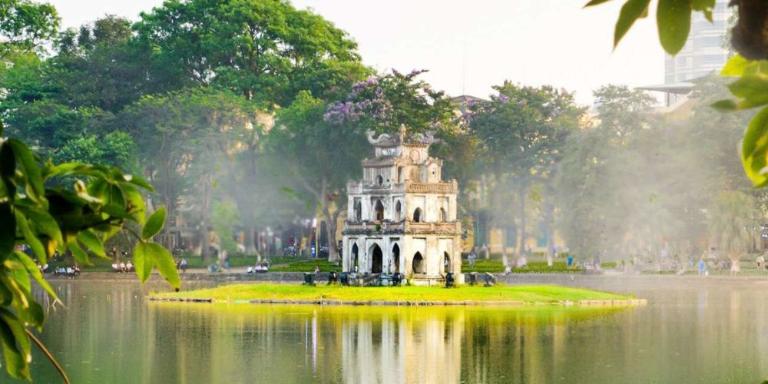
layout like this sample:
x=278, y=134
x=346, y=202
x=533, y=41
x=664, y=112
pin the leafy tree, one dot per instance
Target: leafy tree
x=223, y=220
x=185, y=138
x=318, y=157
x=100, y=66
x=522, y=131
x=24, y=24
x=730, y=220
x=265, y=50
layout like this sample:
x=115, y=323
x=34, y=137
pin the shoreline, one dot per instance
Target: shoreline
x=500, y=295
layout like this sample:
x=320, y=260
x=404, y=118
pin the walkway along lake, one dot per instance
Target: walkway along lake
x=692, y=331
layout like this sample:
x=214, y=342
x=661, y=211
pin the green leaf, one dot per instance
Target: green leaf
x=31, y=238
x=673, y=19
x=34, y=271
x=592, y=3
x=31, y=168
x=754, y=149
x=43, y=221
x=7, y=229
x=148, y=255
x=165, y=264
x=734, y=67
x=154, y=224
x=702, y=5
x=143, y=261
x=136, y=206
x=753, y=89
x=92, y=242
x=631, y=11
x=78, y=253
x=14, y=340
x=140, y=182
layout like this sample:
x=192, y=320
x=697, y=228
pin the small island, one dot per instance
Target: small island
x=518, y=295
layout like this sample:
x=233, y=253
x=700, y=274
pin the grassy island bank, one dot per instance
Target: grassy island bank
x=321, y=294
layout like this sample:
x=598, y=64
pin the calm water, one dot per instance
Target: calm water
x=693, y=331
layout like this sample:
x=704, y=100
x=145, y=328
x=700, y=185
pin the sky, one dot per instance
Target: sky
x=469, y=46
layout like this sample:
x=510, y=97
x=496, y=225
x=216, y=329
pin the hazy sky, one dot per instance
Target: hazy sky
x=468, y=46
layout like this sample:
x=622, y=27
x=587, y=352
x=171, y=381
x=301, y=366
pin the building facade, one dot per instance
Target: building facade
x=705, y=51
x=402, y=216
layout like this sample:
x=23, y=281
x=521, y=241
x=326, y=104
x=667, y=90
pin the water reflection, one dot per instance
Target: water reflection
x=109, y=334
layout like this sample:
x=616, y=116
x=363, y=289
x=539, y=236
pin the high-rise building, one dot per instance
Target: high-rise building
x=705, y=51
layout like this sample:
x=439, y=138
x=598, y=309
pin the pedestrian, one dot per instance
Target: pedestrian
x=702, y=267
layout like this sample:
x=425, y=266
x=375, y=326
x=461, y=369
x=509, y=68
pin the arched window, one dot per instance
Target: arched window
x=358, y=211
x=443, y=215
x=418, y=263
x=398, y=211
x=379, y=180
x=417, y=215
x=446, y=263
x=379, y=211
x=400, y=174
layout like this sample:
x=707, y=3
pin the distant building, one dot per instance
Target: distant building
x=705, y=52
x=402, y=218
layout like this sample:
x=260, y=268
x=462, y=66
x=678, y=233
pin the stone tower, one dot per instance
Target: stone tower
x=401, y=216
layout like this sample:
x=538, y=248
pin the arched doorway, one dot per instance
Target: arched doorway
x=418, y=263
x=377, y=259
x=417, y=215
x=355, y=258
x=447, y=263
x=396, y=259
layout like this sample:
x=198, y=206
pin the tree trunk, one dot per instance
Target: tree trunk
x=205, y=208
x=330, y=232
x=521, y=212
x=549, y=218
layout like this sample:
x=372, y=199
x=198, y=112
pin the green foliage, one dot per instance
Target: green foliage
x=58, y=219
x=730, y=222
x=673, y=18
x=265, y=50
x=24, y=23
x=223, y=220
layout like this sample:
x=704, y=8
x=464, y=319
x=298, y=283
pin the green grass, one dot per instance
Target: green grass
x=306, y=266
x=531, y=294
x=496, y=266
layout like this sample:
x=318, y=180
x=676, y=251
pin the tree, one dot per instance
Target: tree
x=265, y=50
x=730, y=220
x=24, y=24
x=185, y=138
x=522, y=131
x=318, y=157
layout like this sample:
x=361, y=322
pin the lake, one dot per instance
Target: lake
x=692, y=331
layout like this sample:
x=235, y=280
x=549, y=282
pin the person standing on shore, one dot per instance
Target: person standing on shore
x=702, y=267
